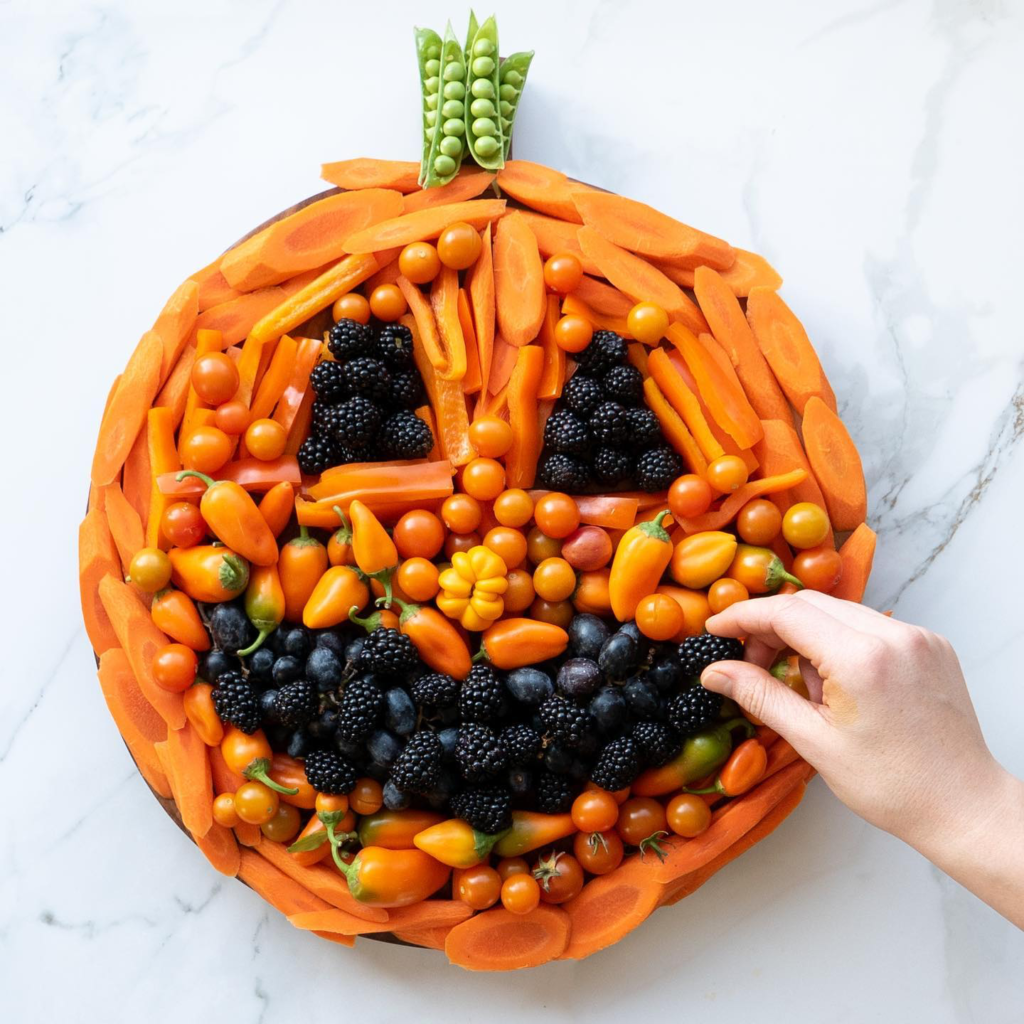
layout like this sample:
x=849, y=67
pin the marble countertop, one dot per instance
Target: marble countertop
x=869, y=149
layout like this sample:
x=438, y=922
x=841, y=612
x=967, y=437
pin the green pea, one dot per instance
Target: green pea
x=444, y=165
x=451, y=146
x=483, y=66
x=483, y=47
x=430, y=117
x=513, y=78
x=507, y=93
x=482, y=108
x=505, y=125
x=484, y=126
x=454, y=71
x=432, y=67
x=483, y=89
x=453, y=108
x=432, y=101
x=454, y=126
x=432, y=84
x=454, y=91
x=486, y=146
x=433, y=52
x=505, y=108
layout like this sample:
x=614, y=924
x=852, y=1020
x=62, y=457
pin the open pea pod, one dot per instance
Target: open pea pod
x=428, y=57
x=484, y=138
x=474, y=25
x=449, y=140
x=512, y=74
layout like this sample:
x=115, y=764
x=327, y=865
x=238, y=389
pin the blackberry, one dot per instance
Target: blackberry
x=697, y=652
x=566, y=432
x=617, y=765
x=316, y=454
x=388, y=654
x=235, y=702
x=394, y=346
x=485, y=808
x=357, y=422
x=406, y=390
x=624, y=384
x=521, y=744
x=657, y=468
x=566, y=722
x=609, y=425
x=367, y=378
x=582, y=394
x=418, y=767
x=435, y=690
x=328, y=382
x=612, y=466
x=644, y=429
x=405, y=436
x=693, y=709
x=606, y=349
x=348, y=339
x=555, y=793
x=482, y=697
x=328, y=772
x=564, y=473
x=361, y=704
x=296, y=703
x=657, y=743
x=479, y=753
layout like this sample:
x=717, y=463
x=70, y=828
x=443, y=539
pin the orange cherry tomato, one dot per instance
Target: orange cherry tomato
x=573, y=333
x=224, y=812
x=540, y=546
x=689, y=496
x=478, y=887
x=647, y=322
x=587, y=548
x=419, y=262
x=556, y=514
x=805, y=525
x=460, y=542
x=509, y=866
x=419, y=532
x=182, y=524
x=215, y=377
x=513, y=507
x=592, y=594
x=659, y=617
x=563, y=272
x=206, y=449
x=284, y=826
x=351, y=306
x=232, y=418
x=725, y=592
x=174, y=667
x=266, y=439
x=483, y=479
x=554, y=579
x=520, y=594
x=367, y=797
x=459, y=245
x=508, y=544
x=595, y=810
x=150, y=569
x=332, y=802
x=727, y=473
x=560, y=877
x=491, y=436
x=759, y=521
x=558, y=613
x=387, y=302
x=256, y=803
x=639, y=818
x=461, y=513
x=520, y=893
x=598, y=852
x=818, y=568
x=620, y=795
x=417, y=577
x=688, y=815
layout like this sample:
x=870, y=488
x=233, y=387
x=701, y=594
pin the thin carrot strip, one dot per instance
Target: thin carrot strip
x=503, y=361
x=637, y=355
x=277, y=377
x=521, y=458
x=175, y=323
x=213, y=289
x=174, y=393
x=237, y=317
x=747, y=272
x=858, y=554
x=289, y=403
x=480, y=286
x=603, y=298
x=553, y=376
x=368, y=172
x=575, y=306
x=674, y=429
x=467, y=185
x=137, y=480
x=424, y=224
x=97, y=558
x=555, y=236
x=125, y=525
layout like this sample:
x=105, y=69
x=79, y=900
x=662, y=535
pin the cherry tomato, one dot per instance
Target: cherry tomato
x=690, y=495
x=759, y=522
x=647, y=323
x=352, y=306
x=509, y=866
x=256, y=803
x=639, y=818
x=284, y=826
x=595, y=810
x=573, y=333
x=461, y=513
x=659, y=617
x=620, y=795
x=540, y=546
x=215, y=377
x=725, y=592
x=418, y=578
x=387, y=302
x=520, y=594
x=483, y=479
x=232, y=418
x=419, y=262
x=554, y=579
x=558, y=613
x=182, y=524
x=150, y=569
x=174, y=667
x=459, y=245
x=560, y=877
x=520, y=894
x=332, y=802
x=224, y=812
x=592, y=595
x=491, y=436
x=513, y=507
x=587, y=548
x=266, y=439
x=206, y=449
x=727, y=473
x=478, y=887
x=687, y=815
x=563, y=272
x=508, y=544
x=460, y=542
x=598, y=852
x=367, y=797
x=556, y=514
x=419, y=532
x=805, y=525
x=818, y=568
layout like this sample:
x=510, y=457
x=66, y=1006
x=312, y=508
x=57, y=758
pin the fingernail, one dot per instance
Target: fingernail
x=712, y=678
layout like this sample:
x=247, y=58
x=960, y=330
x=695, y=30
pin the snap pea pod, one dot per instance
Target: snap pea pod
x=484, y=138
x=448, y=144
x=428, y=57
x=512, y=73
x=471, y=34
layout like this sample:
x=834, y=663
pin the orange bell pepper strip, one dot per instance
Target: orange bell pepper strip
x=291, y=399
x=444, y=300
x=726, y=512
x=641, y=558
x=521, y=458
x=552, y=377
x=480, y=285
x=163, y=458
x=426, y=325
x=252, y=474
x=277, y=377
x=473, y=380
x=374, y=551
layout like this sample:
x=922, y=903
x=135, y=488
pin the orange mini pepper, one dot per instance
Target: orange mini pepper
x=302, y=562
x=277, y=506
x=744, y=770
x=264, y=604
x=640, y=560
x=513, y=643
x=760, y=570
x=456, y=843
x=374, y=551
x=175, y=613
x=336, y=593
x=395, y=830
x=208, y=572
x=339, y=547
x=200, y=712
x=380, y=877
x=531, y=830
x=435, y=638
x=250, y=755
x=291, y=774
x=701, y=558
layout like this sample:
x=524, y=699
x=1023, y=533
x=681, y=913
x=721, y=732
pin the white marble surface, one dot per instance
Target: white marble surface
x=870, y=149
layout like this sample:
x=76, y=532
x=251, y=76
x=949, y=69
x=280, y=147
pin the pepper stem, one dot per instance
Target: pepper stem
x=739, y=722
x=384, y=577
x=716, y=788
x=653, y=843
x=208, y=480
x=259, y=771
x=369, y=623
x=345, y=530
x=257, y=643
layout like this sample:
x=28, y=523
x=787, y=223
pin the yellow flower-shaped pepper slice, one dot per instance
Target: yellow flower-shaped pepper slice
x=471, y=588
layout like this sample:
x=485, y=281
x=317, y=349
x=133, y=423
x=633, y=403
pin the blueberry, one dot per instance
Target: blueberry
x=666, y=673
x=620, y=656
x=261, y=665
x=231, y=628
x=520, y=781
x=394, y=798
x=378, y=772
x=439, y=796
x=214, y=662
x=384, y=747
x=557, y=759
x=608, y=708
x=352, y=749
x=353, y=648
x=267, y=712
x=400, y=713
x=578, y=677
x=449, y=737
x=642, y=697
x=324, y=668
x=298, y=744
x=297, y=642
x=333, y=641
x=642, y=643
x=529, y=685
x=586, y=634
x=286, y=669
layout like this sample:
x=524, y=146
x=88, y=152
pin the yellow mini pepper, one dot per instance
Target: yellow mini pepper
x=471, y=588
x=640, y=559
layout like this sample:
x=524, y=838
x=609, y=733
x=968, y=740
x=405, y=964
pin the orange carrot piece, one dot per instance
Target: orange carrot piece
x=639, y=280
x=747, y=272
x=424, y=224
x=380, y=498
x=252, y=474
x=213, y=289
x=444, y=301
x=389, y=271
x=539, y=187
x=190, y=778
x=684, y=401
x=367, y=172
x=518, y=281
x=858, y=554
x=427, y=938
x=467, y=185
x=175, y=323
x=174, y=393
x=430, y=914
x=674, y=429
x=787, y=349
x=497, y=940
x=97, y=558
x=225, y=779
x=472, y=382
x=123, y=419
x=295, y=284
x=288, y=405
x=220, y=848
x=426, y=324
x=603, y=298
x=354, y=474
x=521, y=458
x=779, y=451
x=137, y=479
x=637, y=355
x=553, y=376
x=557, y=236
x=280, y=891
x=277, y=377
x=726, y=512
x=335, y=922
x=237, y=317
x=574, y=305
x=96, y=493
x=480, y=285
x=163, y=458
x=125, y=525
x=836, y=463
x=612, y=511
x=503, y=361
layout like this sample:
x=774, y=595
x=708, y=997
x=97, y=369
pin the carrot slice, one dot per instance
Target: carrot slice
x=357, y=474
x=747, y=272
x=612, y=511
x=472, y=382
x=789, y=352
x=467, y=185
x=389, y=270
x=779, y=451
x=367, y=172
x=603, y=298
x=541, y=188
x=725, y=513
x=125, y=524
x=503, y=361
x=97, y=558
x=137, y=480
x=497, y=940
x=190, y=778
x=309, y=238
x=276, y=379
x=221, y=849
x=175, y=323
x=553, y=376
x=426, y=324
x=518, y=281
x=858, y=554
x=174, y=393
x=684, y=401
x=836, y=463
x=225, y=779
x=431, y=483
x=237, y=317
x=424, y=224
x=428, y=938
x=674, y=429
x=280, y=891
x=521, y=458
x=639, y=280
x=556, y=236
x=335, y=922
x=444, y=301
x=252, y=474
x=574, y=305
x=213, y=289
x=127, y=411
x=480, y=285
x=430, y=914
x=163, y=458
